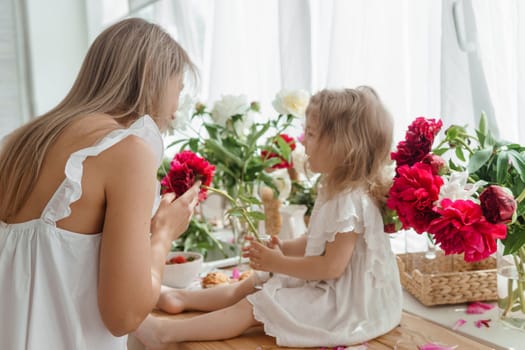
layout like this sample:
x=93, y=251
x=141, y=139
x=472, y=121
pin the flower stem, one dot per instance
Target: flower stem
x=244, y=212
x=521, y=273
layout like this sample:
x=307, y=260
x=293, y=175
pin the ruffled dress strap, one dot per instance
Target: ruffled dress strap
x=329, y=217
x=70, y=190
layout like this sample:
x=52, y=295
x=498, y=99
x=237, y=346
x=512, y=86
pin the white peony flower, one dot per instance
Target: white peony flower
x=282, y=182
x=455, y=187
x=228, y=106
x=242, y=125
x=291, y=102
x=182, y=115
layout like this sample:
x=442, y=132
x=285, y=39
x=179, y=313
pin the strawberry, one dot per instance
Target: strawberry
x=178, y=259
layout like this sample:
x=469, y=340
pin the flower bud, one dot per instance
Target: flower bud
x=255, y=106
x=199, y=108
x=438, y=164
x=498, y=204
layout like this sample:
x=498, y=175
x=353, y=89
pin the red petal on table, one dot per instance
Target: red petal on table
x=432, y=346
x=459, y=323
x=482, y=323
x=478, y=308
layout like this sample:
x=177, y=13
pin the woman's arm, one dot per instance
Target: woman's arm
x=131, y=264
x=328, y=266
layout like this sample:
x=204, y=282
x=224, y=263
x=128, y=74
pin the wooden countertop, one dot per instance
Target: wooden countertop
x=409, y=335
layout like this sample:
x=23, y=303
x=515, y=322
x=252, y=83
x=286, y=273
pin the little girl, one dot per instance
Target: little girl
x=339, y=283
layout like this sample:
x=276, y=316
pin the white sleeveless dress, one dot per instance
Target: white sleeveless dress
x=48, y=288
x=365, y=302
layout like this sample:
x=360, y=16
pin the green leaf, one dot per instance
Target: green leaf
x=459, y=154
x=478, y=159
x=502, y=167
x=515, y=239
x=193, y=145
x=237, y=212
x=177, y=142
x=440, y=151
x=285, y=149
x=250, y=200
x=518, y=162
x=268, y=163
x=257, y=215
x=221, y=151
x=482, y=129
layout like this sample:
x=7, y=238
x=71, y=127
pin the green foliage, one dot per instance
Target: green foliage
x=303, y=193
x=198, y=238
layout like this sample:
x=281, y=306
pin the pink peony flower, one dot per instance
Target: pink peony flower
x=462, y=228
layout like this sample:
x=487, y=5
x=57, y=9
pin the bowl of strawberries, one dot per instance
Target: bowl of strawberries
x=181, y=268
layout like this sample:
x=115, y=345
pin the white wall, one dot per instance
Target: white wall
x=58, y=41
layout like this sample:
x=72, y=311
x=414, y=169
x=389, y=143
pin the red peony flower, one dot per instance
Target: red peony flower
x=413, y=194
x=186, y=168
x=418, y=141
x=498, y=204
x=462, y=228
x=423, y=130
x=284, y=163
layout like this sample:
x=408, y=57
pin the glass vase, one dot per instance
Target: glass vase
x=511, y=287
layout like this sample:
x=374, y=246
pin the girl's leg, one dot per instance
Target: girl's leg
x=156, y=333
x=175, y=301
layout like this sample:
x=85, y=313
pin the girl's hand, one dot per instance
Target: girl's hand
x=263, y=257
x=174, y=214
x=273, y=242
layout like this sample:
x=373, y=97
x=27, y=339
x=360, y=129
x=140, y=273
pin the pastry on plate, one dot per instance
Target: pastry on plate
x=214, y=279
x=245, y=275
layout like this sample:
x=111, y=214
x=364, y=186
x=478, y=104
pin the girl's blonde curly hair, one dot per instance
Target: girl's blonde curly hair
x=358, y=133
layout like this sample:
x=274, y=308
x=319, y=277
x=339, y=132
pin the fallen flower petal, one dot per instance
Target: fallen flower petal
x=478, y=308
x=358, y=347
x=459, y=323
x=235, y=273
x=481, y=323
x=432, y=346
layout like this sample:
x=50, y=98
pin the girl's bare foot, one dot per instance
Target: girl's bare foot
x=170, y=301
x=149, y=334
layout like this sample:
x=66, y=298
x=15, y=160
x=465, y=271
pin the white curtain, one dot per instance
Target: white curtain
x=408, y=50
x=501, y=36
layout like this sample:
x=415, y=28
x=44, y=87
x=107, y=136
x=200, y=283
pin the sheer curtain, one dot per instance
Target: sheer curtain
x=257, y=47
x=501, y=30
x=421, y=56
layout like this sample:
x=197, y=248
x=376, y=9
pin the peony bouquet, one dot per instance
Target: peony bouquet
x=465, y=204
x=468, y=204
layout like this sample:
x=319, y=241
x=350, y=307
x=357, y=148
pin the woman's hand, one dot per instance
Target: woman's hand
x=264, y=257
x=174, y=214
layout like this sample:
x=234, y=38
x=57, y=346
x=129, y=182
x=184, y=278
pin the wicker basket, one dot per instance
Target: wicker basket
x=447, y=279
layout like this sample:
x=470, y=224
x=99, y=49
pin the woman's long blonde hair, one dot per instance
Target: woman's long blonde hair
x=124, y=74
x=357, y=132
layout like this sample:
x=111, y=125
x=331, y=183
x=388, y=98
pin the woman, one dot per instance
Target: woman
x=81, y=257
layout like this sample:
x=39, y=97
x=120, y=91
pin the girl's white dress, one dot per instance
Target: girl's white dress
x=48, y=293
x=365, y=302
